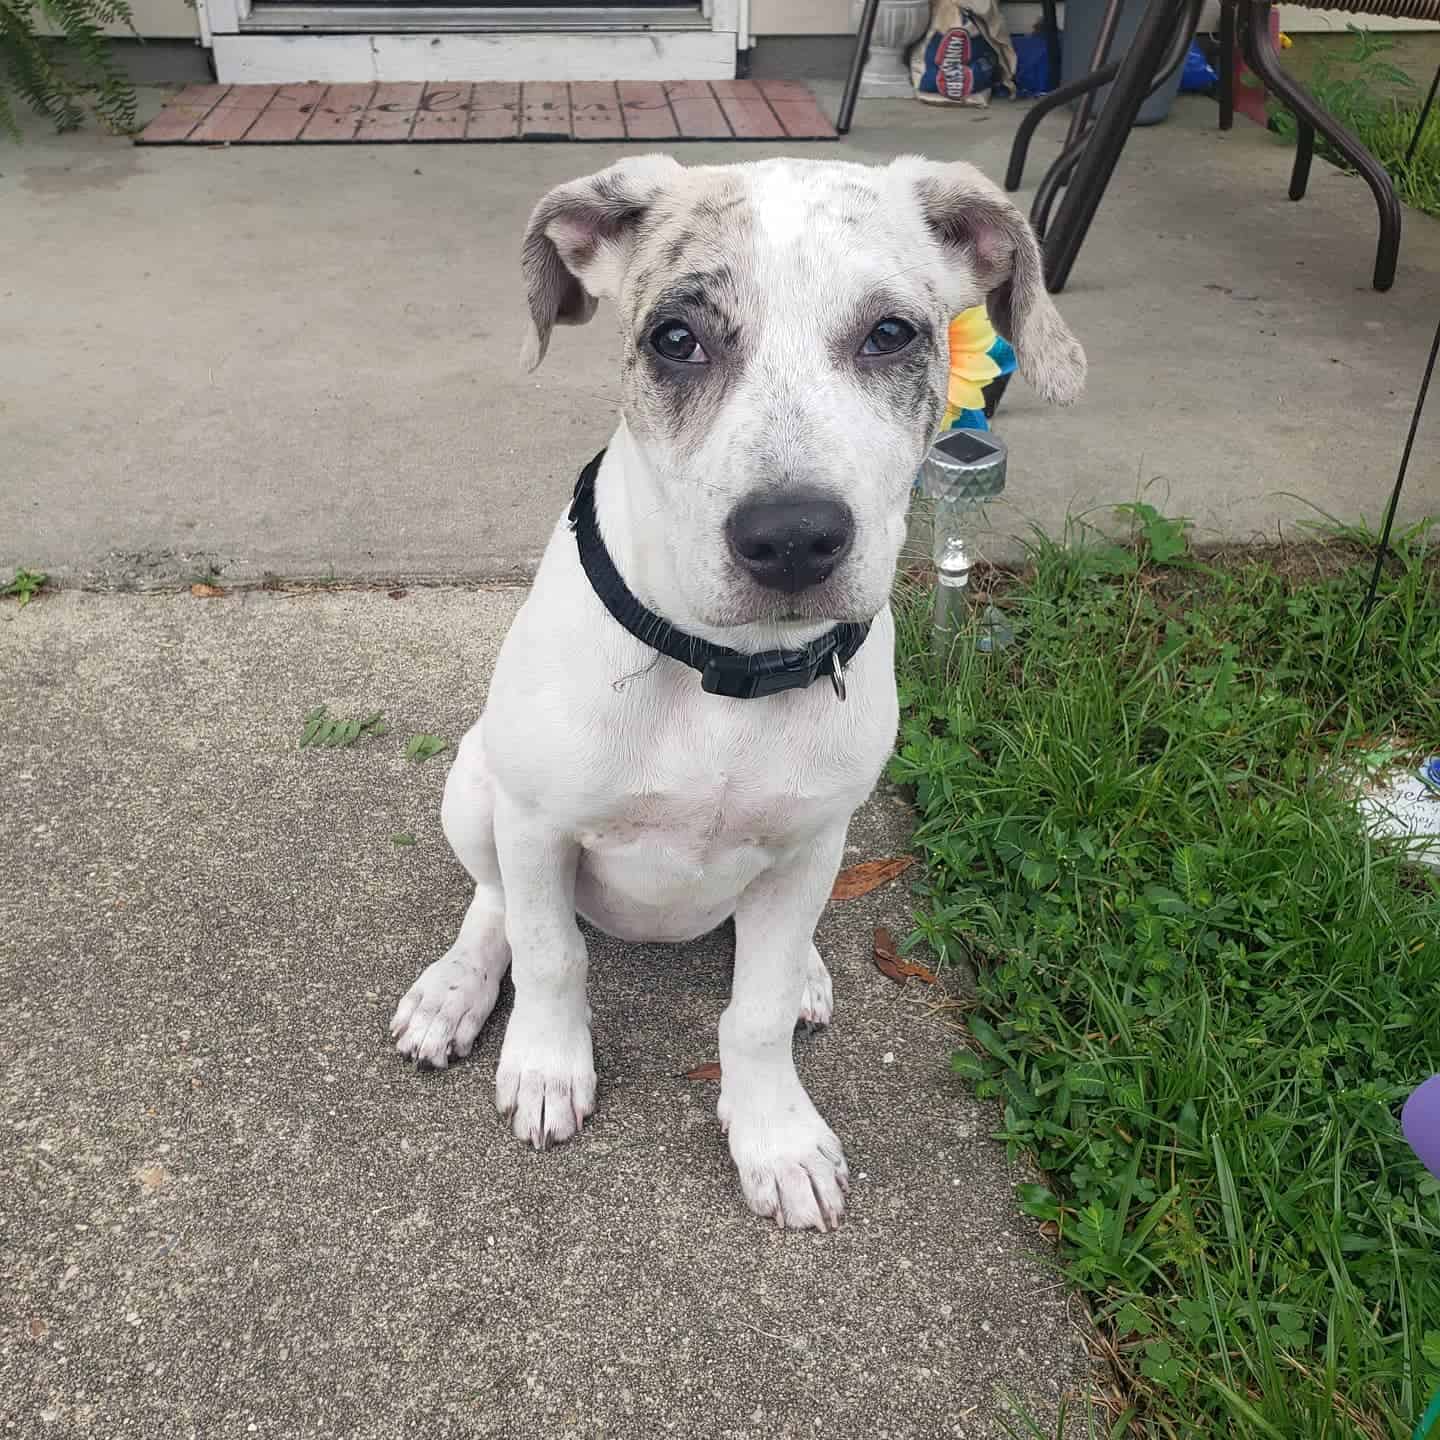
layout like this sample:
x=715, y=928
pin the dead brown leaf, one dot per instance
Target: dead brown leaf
x=201, y=591
x=151, y=1177
x=889, y=963
x=397, y=594
x=710, y=1070
x=869, y=875
x=39, y=1328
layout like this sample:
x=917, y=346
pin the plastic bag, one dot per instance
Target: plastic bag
x=964, y=53
x=1198, y=76
x=1032, y=64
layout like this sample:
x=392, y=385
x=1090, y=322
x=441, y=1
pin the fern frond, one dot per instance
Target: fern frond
x=87, y=66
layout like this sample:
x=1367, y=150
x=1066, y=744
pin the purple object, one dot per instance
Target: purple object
x=1420, y=1120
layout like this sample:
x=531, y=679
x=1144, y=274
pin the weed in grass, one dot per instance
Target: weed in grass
x=25, y=586
x=323, y=729
x=421, y=747
x=1381, y=104
x=1204, y=991
x=1163, y=535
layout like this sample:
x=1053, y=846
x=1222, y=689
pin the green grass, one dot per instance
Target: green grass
x=1204, y=993
x=1381, y=104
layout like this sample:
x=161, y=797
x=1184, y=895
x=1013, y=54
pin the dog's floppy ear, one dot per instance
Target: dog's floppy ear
x=578, y=240
x=977, y=226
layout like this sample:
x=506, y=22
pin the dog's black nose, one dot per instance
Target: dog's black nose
x=792, y=543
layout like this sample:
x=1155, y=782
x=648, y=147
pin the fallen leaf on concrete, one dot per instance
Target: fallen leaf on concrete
x=421, y=747
x=868, y=875
x=397, y=594
x=39, y=1329
x=201, y=591
x=710, y=1070
x=889, y=963
x=151, y=1177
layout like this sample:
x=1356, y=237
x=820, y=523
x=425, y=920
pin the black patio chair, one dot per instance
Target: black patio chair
x=1088, y=160
x=1251, y=19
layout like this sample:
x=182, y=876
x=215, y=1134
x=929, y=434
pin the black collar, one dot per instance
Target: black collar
x=722, y=671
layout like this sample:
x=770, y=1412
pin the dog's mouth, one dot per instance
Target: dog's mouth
x=829, y=604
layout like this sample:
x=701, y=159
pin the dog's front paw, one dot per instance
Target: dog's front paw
x=546, y=1082
x=445, y=1009
x=792, y=1169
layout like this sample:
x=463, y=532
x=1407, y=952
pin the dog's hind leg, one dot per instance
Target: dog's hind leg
x=444, y=1010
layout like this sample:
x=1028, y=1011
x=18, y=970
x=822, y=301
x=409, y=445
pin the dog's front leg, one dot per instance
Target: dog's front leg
x=790, y=1162
x=546, y=1080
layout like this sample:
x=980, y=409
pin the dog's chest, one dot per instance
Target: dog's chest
x=670, y=862
x=698, y=821
x=677, y=832
x=701, y=794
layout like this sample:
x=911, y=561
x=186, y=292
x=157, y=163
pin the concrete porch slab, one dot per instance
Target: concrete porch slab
x=230, y=1209
x=303, y=360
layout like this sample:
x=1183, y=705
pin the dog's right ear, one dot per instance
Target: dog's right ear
x=579, y=239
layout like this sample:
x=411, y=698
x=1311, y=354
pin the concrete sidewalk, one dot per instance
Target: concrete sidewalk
x=304, y=360
x=230, y=1209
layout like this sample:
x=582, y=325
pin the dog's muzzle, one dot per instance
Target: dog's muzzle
x=722, y=671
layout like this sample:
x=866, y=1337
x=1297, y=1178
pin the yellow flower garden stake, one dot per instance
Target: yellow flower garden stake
x=971, y=367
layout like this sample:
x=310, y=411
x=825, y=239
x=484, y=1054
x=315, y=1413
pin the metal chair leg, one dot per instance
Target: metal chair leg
x=1030, y=120
x=863, y=33
x=1104, y=39
x=1052, y=182
x=1107, y=139
x=1055, y=177
x=1227, y=64
x=1052, y=44
x=1265, y=59
x=1304, y=153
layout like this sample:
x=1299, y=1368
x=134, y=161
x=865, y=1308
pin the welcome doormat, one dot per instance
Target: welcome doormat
x=648, y=111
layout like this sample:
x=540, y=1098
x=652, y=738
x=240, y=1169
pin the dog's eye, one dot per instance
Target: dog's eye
x=677, y=342
x=889, y=337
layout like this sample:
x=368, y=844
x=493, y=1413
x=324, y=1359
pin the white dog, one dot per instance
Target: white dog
x=652, y=755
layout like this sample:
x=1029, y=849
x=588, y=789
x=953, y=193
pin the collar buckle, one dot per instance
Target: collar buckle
x=750, y=677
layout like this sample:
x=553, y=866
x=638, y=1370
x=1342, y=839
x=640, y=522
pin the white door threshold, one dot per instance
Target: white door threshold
x=384, y=56
x=269, y=19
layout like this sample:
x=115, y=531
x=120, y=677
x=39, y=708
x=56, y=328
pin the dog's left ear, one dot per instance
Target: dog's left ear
x=978, y=227
x=579, y=239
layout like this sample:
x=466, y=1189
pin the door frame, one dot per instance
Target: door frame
x=234, y=17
